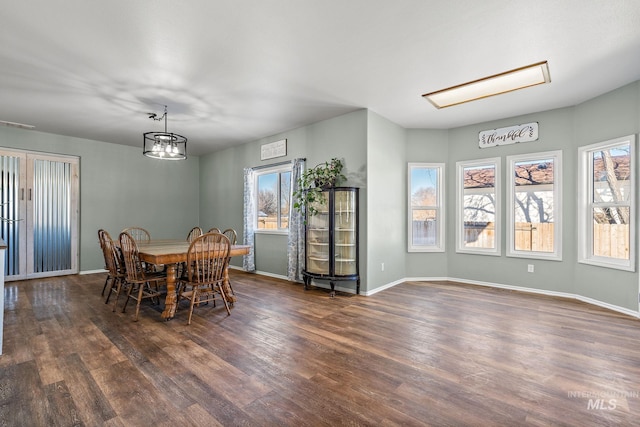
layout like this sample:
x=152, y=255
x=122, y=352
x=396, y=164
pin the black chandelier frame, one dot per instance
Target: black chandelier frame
x=164, y=145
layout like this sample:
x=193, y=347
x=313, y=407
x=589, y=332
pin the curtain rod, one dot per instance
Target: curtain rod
x=273, y=164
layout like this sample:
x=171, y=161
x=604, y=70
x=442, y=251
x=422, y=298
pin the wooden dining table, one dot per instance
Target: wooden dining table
x=171, y=253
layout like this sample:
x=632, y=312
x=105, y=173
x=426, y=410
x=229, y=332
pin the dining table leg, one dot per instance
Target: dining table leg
x=226, y=287
x=170, y=303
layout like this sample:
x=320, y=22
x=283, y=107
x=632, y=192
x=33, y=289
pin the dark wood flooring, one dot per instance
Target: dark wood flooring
x=440, y=354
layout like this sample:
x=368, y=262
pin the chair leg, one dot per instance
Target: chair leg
x=121, y=283
x=140, y=292
x=213, y=292
x=224, y=299
x=128, y=296
x=105, y=284
x=154, y=300
x=194, y=296
x=115, y=281
x=178, y=290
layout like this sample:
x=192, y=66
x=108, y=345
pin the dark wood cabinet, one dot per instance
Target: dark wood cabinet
x=332, y=239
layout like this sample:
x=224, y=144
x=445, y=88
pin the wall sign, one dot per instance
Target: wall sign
x=509, y=135
x=273, y=149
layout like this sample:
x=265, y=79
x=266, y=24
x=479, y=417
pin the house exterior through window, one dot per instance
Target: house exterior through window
x=534, y=205
x=273, y=195
x=478, y=207
x=426, y=207
x=606, y=228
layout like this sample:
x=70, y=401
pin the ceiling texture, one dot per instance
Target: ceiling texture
x=235, y=71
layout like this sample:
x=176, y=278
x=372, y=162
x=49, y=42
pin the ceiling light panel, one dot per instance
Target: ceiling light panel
x=16, y=125
x=520, y=78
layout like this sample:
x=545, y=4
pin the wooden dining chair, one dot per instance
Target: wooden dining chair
x=101, y=237
x=214, y=230
x=207, y=260
x=115, y=266
x=139, y=234
x=194, y=233
x=231, y=235
x=139, y=278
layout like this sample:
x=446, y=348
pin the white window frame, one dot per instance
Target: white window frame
x=439, y=246
x=556, y=254
x=460, y=232
x=586, y=205
x=266, y=171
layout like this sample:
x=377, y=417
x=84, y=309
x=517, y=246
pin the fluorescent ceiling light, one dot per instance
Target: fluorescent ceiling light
x=520, y=78
x=16, y=125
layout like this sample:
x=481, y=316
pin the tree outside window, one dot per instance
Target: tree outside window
x=426, y=207
x=478, y=192
x=274, y=195
x=535, y=205
x=607, y=203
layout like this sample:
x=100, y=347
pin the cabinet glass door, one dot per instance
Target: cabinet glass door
x=318, y=238
x=345, y=232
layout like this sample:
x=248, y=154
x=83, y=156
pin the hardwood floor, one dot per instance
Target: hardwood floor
x=417, y=354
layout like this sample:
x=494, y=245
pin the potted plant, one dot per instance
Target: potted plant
x=313, y=181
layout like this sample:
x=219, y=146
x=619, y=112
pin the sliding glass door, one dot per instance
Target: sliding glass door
x=39, y=210
x=12, y=212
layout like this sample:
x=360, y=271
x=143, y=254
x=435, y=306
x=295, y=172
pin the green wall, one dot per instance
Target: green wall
x=424, y=146
x=555, y=133
x=221, y=179
x=119, y=187
x=386, y=202
x=614, y=114
x=606, y=117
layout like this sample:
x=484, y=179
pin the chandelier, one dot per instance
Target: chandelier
x=164, y=145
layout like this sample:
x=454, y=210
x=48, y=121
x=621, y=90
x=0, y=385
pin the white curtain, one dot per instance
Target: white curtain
x=249, y=260
x=295, y=247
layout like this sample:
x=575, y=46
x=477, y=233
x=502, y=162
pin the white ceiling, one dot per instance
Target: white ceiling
x=234, y=71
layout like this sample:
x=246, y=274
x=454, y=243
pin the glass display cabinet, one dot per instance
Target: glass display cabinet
x=331, y=236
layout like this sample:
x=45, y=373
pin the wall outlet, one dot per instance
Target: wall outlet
x=382, y=266
x=530, y=268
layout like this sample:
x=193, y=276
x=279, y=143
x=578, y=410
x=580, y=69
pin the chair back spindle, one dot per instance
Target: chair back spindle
x=115, y=265
x=194, y=233
x=231, y=235
x=133, y=264
x=139, y=234
x=137, y=275
x=207, y=260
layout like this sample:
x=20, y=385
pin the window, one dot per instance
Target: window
x=426, y=207
x=606, y=204
x=273, y=195
x=534, y=205
x=478, y=207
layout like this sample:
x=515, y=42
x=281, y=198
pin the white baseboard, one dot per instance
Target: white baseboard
x=93, y=271
x=263, y=273
x=587, y=300
x=275, y=276
x=382, y=288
